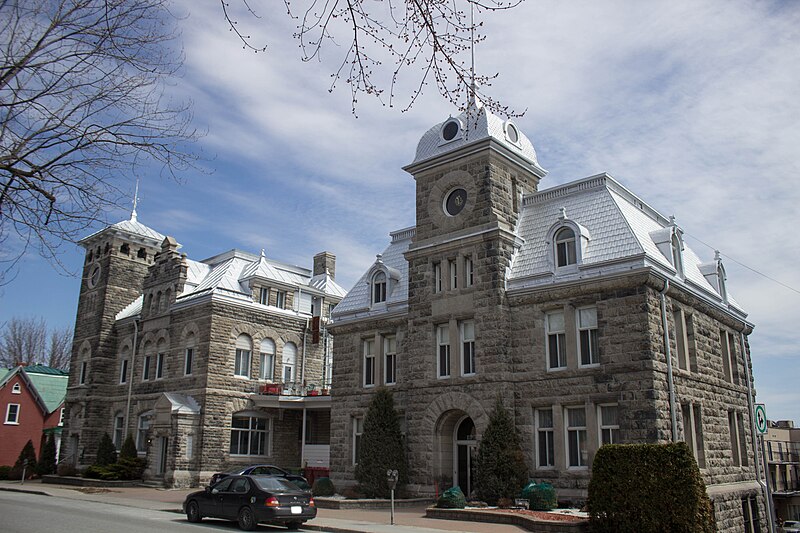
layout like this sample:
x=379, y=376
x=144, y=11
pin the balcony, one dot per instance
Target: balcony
x=290, y=389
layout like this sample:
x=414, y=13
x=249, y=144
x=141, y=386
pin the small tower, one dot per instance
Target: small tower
x=116, y=263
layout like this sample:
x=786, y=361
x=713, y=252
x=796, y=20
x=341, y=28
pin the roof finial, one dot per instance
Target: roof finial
x=472, y=49
x=717, y=256
x=135, y=201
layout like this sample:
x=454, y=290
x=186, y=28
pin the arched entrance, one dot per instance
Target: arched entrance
x=457, y=450
x=465, y=453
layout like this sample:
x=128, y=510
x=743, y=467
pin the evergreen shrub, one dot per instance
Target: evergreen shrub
x=382, y=447
x=452, y=498
x=27, y=454
x=47, y=457
x=540, y=496
x=106, y=452
x=648, y=488
x=500, y=471
x=323, y=487
x=5, y=472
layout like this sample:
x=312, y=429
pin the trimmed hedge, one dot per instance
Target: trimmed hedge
x=644, y=488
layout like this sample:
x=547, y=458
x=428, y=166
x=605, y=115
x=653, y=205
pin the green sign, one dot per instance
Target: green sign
x=761, y=418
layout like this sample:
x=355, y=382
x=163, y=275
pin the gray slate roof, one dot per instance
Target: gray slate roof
x=620, y=229
x=130, y=227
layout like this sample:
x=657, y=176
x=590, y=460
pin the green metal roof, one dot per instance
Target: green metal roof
x=50, y=383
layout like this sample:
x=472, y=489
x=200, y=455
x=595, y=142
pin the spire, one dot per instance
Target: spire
x=135, y=201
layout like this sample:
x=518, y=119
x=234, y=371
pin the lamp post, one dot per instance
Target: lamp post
x=391, y=478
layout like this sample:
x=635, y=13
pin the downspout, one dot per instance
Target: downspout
x=303, y=369
x=130, y=376
x=670, y=381
x=765, y=486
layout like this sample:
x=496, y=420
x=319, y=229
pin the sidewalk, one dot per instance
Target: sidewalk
x=407, y=520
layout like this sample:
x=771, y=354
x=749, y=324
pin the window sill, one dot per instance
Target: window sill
x=237, y=376
x=589, y=366
x=557, y=369
x=11, y=423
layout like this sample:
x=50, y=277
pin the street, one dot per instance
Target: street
x=33, y=513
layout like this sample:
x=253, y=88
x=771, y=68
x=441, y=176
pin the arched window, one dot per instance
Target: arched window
x=289, y=362
x=267, y=359
x=161, y=358
x=16, y=389
x=379, y=288
x=566, y=253
x=244, y=347
x=148, y=367
x=142, y=430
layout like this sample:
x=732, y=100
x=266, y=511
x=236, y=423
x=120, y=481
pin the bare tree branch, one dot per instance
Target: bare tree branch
x=432, y=36
x=82, y=103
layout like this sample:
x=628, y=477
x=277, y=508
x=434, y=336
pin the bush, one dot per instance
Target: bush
x=47, y=457
x=540, y=496
x=500, y=471
x=644, y=488
x=452, y=498
x=323, y=487
x=5, y=472
x=26, y=461
x=128, y=450
x=381, y=448
x=106, y=452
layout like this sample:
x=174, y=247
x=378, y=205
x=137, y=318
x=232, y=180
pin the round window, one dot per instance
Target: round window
x=94, y=276
x=511, y=132
x=455, y=202
x=450, y=130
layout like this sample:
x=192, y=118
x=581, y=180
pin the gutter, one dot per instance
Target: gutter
x=670, y=381
x=130, y=377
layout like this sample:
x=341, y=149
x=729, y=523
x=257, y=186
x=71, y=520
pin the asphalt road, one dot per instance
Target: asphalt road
x=32, y=513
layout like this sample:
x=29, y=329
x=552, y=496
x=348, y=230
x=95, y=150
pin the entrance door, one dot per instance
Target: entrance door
x=162, y=455
x=465, y=453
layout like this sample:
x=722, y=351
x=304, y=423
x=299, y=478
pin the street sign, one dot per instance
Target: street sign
x=761, y=419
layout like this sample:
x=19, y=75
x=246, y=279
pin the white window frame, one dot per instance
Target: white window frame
x=188, y=361
x=580, y=436
x=249, y=432
x=267, y=360
x=61, y=417
x=560, y=339
x=16, y=389
x=280, y=299
x=119, y=430
x=548, y=434
x=469, y=272
x=15, y=420
x=467, y=348
x=368, y=379
x=146, y=364
x=437, y=277
x=379, y=287
x=358, y=431
x=160, y=362
x=289, y=363
x=567, y=244
x=143, y=425
x=452, y=268
x=263, y=296
x=123, y=371
x=443, y=351
x=593, y=338
x=390, y=359
x=602, y=427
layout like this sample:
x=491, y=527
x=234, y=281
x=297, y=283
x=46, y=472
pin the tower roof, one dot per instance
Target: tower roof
x=476, y=123
x=132, y=229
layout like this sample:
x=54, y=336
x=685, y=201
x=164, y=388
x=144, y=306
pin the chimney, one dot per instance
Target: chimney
x=325, y=262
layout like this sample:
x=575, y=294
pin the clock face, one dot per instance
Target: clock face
x=94, y=276
x=455, y=201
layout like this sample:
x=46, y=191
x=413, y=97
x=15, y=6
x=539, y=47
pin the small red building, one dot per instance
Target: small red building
x=31, y=406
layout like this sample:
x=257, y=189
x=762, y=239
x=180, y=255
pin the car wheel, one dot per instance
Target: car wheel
x=193, y=512
x=247, y=521
x=292, y=526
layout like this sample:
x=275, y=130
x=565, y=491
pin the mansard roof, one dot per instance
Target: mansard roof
x=619, y=234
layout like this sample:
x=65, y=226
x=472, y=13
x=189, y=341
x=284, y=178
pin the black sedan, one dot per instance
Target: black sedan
x=259, y=470
x=251, y=500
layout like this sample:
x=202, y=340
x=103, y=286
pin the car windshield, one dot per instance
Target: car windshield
x=275, y=484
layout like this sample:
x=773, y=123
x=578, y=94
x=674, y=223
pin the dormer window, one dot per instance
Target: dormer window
x=16, y=389
x=566, y=253
x=379, y=288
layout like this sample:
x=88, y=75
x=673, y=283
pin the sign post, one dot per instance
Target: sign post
x=760, y=412
x=391, y=478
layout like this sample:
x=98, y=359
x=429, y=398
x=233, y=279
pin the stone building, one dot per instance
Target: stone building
x=782, y=443
x=208, y=364
x=580, y=307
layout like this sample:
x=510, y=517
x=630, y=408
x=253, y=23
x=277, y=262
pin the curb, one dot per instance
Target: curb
x=25, y=491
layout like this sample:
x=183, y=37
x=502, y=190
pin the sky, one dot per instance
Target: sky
x=692, y=105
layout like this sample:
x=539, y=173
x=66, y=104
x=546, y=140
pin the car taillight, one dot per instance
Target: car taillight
x=311, y=502
x=272, y=502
